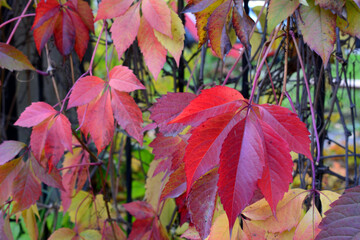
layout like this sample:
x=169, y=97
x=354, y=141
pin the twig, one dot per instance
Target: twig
x=18, y=22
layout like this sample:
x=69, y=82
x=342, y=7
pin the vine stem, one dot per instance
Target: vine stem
x=286, y=60
x=81, y=165
x=16, y=18
x=311, y=110
x=272, y=83
x=18, y=22
x=95, y=48
x=242, y=50
x=258, y=71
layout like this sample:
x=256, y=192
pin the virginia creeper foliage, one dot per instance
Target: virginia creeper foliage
x=222, y=166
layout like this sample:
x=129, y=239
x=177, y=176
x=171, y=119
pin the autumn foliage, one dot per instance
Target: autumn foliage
x=223, y=164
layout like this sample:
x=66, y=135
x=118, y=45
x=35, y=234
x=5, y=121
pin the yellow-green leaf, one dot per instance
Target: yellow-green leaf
x=13, y=59
x=318, y=28
x=175, y=44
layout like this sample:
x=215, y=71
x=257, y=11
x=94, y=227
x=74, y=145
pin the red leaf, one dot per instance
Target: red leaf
x=73, y=174
x=112, y=8
x=282, y=120
x=154, y=53
x=127, y=114
x=68, y=23
x=26, y=188
x=58, y=139
x=277, y=174
x=167, y=108
x=52, y=179
x=13, y=59
x=36, y=113
x=171, y=149
x=124, y=80
x=210, y=103
x=157, y=14
x=85, y=90
x=241, y=166
x=140, y=209
x=149, y=228
x=38, y=139
x=201, y=202
x=8, y=172
x=98, y=113
x=203, y=151
x=9, y=150
x=122, y=34
x=176, y=184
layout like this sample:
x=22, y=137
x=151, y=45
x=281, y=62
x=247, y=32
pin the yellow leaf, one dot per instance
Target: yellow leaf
x=30, y=221
x=288, y=212
x=326, y=199
x=154, y=185
x=63, y=234
x=90, y=234
x=308, y=226
x=220, y=229
x=5, y=4
x=175, y=44
x=167, y=212
x=202, y=21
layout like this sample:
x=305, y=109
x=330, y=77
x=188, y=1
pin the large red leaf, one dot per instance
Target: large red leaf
x=176, y=185
x=123, y=79
x=154, y=53
x=157, y=14
x=241, y=165
x=112, y=8
x=282, y=120
x=167, y=108
x=26, y=188
x=203, y=151
x=98, y=113
x=277, y=174
x=201, y=202
x=127, y=114
x=36, y=113
x=38, y=138
x=85, y=90
x=70, y=24
x=210, y=103
x=13, y=59
x=342, y=220
x=122, y=34
x=9, y=149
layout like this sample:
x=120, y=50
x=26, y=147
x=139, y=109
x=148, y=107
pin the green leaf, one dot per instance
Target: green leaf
x=280, y=10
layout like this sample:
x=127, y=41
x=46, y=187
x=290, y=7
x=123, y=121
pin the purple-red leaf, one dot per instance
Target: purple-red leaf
x=342, y=220
x=112, y=8
x=167, y=108
x=9, y=150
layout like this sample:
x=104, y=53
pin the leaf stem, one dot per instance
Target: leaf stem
x=234, y=65
x=286, y=59
x=311, y=110
x=81, y=164
x=16, y=18
x=18, y=22
x=95, y=48
x=258, y=71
